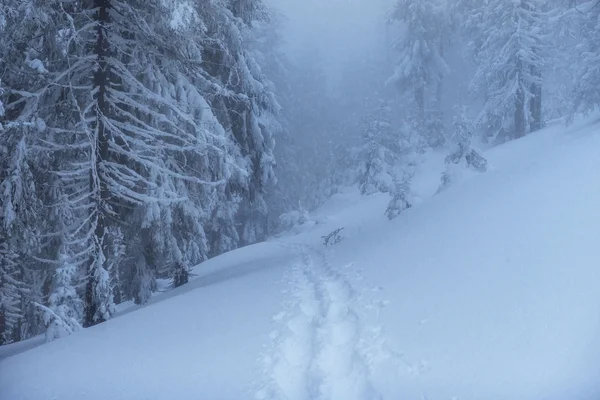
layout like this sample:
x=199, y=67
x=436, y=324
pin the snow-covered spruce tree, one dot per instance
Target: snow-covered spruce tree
x=562, y=33
x=137, y=144
x=379, y=152
x=400, y=195
x=21, y=177
x=11, y=284
x=420, y=64
x=145, y=139
x=9, y=293
x=24, y=170
x=65, y=307
x=510, y=64
x=587, y=75
x=262, y=115
x=190, y=177
x=236, y=106
x=244, y=106
x=462, y=155
x=20, y=236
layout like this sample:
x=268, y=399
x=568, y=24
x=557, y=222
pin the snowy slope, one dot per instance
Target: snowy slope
x=490, y=289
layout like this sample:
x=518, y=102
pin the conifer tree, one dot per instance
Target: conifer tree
x=130, y=116
x=587, y=76
x=20, y=228
x=251, y=115
x=65, y=307
x=510, y=62
x=462, y=155
x=400, y=196
x=420, y=63
x=379, y=152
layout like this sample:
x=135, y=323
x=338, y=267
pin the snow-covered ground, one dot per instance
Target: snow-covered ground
x=488, y=290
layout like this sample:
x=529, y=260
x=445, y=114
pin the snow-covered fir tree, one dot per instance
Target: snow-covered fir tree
x=420, y=62
x=141, y=134
x=21, y=177
x=401, y=191
x=510, y=64
x=587, y=75
x=246, y=106
x=462, y=155
x=562, y=31
x=20, y=232
x=21, y=229
x=379, y=152
x=65, y=307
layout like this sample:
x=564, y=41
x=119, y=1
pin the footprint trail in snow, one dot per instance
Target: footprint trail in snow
x=321, y=351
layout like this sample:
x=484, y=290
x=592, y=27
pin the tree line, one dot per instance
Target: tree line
x=519, y=64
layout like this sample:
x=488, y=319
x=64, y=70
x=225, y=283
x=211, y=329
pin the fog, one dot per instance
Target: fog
x=141, y=140
x=363, y=72
x=342, y=31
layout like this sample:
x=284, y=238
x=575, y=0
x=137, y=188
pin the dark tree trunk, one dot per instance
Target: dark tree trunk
x=535, y=106
x=101, y=80
x=520, y=125
x=420, y=102
x=2, y=325
x=440, y=85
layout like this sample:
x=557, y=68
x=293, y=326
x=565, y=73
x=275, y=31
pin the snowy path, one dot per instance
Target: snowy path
x=320, y=351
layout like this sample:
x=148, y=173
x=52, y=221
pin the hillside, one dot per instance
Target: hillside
x=489, y=289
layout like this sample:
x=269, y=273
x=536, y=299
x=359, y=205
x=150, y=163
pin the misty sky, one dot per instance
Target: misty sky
x=341, y=29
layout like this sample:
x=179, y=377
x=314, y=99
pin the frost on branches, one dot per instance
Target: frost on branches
x=65, y=308
x=246, y=107
x=140, y=145
x=587, y=76
x=20, y=212
x=510, y=63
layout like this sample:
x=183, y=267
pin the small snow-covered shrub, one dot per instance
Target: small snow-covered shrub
x=463, y=156
x=293, y=219
x=400, y=196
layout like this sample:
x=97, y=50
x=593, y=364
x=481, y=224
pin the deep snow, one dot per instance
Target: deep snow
x=490, y=289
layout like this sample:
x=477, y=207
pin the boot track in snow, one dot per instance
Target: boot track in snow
x=319, y=352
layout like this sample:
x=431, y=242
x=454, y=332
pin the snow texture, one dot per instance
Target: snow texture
x=486, y=290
